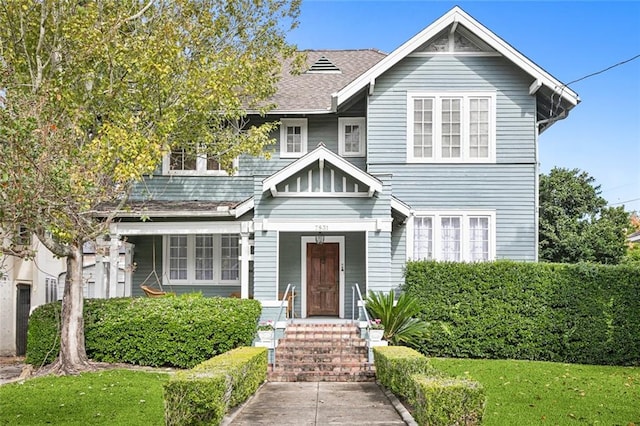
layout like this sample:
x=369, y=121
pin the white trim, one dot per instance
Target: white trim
x=400, y=206
x=201, y=167
x=321, y=224
x=351, y=121
x=484, y=34
x=465, y=98
x=244, y=207
x=432, y=54
x=303, y=271
x=191, y=263
x=293, y=122
x=464, y=214
x=320, y=153
x=165, y=228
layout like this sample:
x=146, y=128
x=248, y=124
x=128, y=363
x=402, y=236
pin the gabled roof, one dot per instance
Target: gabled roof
x=565, y=97
x=321, y=154
x=310, y=92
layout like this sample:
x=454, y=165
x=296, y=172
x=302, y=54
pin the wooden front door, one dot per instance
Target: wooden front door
x=323, y=279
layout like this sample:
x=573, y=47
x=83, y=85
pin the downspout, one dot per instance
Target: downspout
x=536, y=203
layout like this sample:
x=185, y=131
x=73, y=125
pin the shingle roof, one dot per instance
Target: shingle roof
x=312, y=92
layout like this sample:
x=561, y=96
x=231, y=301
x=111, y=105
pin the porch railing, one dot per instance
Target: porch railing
x=285, y=299
x=360, y=302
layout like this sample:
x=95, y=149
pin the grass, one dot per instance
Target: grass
x=545, y=393
x=113, y=397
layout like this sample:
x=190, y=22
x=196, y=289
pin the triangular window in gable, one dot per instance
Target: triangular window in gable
x=455, y=38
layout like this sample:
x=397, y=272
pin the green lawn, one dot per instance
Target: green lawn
x=544, y=393
x=113, y=397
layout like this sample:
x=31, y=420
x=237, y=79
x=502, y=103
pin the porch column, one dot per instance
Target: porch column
x=245, y=255
x=114, y=258
x=99, y=274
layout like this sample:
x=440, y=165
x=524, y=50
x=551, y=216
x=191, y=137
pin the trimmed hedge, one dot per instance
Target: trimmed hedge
x=582, y=313
x=437, y=400
x=447, y=401
x=204, y=394
x=168, y=331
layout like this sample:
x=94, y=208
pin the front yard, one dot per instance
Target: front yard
x=530, y=393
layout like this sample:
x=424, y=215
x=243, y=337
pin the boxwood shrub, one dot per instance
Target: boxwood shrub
x=582, y=313
x=170, y=331
x=205, y=393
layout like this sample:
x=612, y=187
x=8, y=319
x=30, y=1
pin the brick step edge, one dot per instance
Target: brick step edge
x=364, y=376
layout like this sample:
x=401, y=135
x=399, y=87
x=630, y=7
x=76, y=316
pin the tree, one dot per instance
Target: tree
x=94, y=93
x=575, y=223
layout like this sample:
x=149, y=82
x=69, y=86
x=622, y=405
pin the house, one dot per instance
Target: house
x=429, y=152
x=24, y=285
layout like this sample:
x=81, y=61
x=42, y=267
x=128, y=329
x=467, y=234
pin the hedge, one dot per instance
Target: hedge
x=437, y=400
x=204, y=394
x=582, y=313
x=169, y=331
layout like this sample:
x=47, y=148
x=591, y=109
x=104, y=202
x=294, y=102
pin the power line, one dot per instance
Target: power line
x=626, y=201
x=602, y=70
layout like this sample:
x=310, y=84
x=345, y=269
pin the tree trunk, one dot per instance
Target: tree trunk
x=73, y=356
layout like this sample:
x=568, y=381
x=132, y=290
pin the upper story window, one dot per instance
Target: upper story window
x=24, y=237
x=351, y=137
x=454, y=236
x=202, y=259
x=182, y=161
x=451, y=127
x=293, y=137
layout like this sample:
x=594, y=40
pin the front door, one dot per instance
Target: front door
x=23, y=306
x=323, y=279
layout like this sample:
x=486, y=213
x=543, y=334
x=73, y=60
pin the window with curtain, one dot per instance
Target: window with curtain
x=423, y=238
x=451, y=248
x=478, y=238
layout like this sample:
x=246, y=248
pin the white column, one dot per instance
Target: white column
x=128, y=269
x=99, y=275
x=114, y=257
x=245, y=255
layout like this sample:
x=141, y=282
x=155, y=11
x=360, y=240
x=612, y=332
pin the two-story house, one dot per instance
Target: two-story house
x=429, y=152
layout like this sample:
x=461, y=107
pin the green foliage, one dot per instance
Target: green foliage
x=437, y=400
x=398, y=317
x=396, y=364
x=109, y=397
x=204, y=394
x=534, y=393
x=575, y=224
x=583, y=313
x=441, y=401
x=175, y=331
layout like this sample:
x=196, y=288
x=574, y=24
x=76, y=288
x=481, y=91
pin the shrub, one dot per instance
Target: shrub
x=174, y=331
x=580, y=313
x=442, y=401
x=397, y=317
x=204, y=394
x=394, y=366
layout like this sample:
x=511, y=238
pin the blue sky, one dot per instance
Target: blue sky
x=568, y=39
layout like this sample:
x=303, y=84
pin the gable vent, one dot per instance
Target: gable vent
x=324, y=65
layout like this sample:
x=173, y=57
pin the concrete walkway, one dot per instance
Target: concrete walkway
x=319, y=403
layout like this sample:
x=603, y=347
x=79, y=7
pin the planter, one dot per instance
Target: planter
x=375, y=335
x=265, y=335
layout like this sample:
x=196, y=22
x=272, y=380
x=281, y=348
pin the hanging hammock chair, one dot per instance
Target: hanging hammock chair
x=149, y=290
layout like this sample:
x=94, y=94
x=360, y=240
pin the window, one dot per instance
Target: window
x=24, y=237
x=351, y=137
x=453, y=236
x=202, y=259
x=451, y=127
x=293, y=137
x=51, y=289
x=182, y=161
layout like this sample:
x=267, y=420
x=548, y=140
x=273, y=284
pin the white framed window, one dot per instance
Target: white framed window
x=451, y=127
x=182, y=161
x=454, y=236
x=201, y=259
x=51, y=289
x=293, y=137
x=351, y=136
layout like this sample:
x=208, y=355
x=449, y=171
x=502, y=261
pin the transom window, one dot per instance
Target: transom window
x=454, y=236
x=182, y=161
x=351, y=137
x=293, y=137
x=451, y=127
x=201, y=259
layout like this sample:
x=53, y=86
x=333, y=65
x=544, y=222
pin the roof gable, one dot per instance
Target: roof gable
x=483, y=38
x=321, y=173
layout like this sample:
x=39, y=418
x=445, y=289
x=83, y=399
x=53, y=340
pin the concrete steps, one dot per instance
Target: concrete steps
x=322, y=353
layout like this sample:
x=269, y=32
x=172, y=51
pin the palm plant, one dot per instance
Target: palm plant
x=401, y=327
